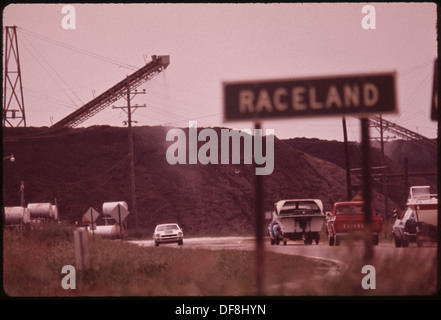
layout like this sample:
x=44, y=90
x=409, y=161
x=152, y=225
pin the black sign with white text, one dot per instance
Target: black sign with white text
x=320, y=96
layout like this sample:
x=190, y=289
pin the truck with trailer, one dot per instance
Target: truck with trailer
x=296, y=219
x=419, y=223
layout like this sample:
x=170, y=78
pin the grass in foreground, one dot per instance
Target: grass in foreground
x=33, y=262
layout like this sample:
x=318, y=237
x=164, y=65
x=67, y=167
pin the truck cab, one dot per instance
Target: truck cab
x=347, y=220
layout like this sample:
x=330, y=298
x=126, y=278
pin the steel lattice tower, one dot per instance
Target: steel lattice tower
x=13, y=102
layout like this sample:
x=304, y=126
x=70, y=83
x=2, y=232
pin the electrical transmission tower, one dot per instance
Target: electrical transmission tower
x=13, y=102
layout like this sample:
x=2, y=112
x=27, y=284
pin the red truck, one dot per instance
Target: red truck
x=347, y=219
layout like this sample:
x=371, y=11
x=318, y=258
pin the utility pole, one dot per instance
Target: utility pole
x=383, y=180
x=380, y=126
x=129, y=112
x=348, y=174
x=22, y=200
x=406, y=178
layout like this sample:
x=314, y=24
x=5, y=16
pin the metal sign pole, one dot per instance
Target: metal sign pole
x=119, y=217
x=365, y=151
x=91, y=219
x=260, y=220
x=348, y=172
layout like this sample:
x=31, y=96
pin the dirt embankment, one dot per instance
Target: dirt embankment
x=85, y=167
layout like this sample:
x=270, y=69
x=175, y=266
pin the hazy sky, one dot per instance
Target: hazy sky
x=212, y=43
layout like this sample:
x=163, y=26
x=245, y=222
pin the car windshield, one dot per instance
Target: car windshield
x=351, y=209
x=167, y=227
x=300, y=207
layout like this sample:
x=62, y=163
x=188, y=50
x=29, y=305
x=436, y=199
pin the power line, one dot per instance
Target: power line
x=49, y=74
x=417, y=67
x=41, y=96
x=78, y=50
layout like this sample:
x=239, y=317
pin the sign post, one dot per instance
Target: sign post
x=434, y=111
x=119, y=213
x=90, y=216
x=365, y=151
x=260, y=220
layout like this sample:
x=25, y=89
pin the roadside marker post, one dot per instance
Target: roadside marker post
x=82, y=257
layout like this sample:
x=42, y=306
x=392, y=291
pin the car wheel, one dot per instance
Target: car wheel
x=376, y=240
x=419, y=243
x=331, y=241
x=156, y=244
x=284, y=243
x=397, y=243
x=317, y=239
x=272, y=241
x=180, y=243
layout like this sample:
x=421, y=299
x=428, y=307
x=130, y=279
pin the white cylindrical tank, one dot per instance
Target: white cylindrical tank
x=40, y=210
x=55, y=211
x=16, y=215
x=109, y=206
x=110, y=231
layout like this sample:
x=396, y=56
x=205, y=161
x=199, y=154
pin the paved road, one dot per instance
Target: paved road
x=342, y=254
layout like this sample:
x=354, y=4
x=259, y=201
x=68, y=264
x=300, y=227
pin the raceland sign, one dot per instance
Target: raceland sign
x=320, y=96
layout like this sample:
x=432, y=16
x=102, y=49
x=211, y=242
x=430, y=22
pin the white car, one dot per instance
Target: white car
x=168, y=233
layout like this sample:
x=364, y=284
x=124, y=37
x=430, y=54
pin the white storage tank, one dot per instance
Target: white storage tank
x=110, y=231
x=40, y=210
x=16, y=215
x=109, y=206
x=55, y=211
